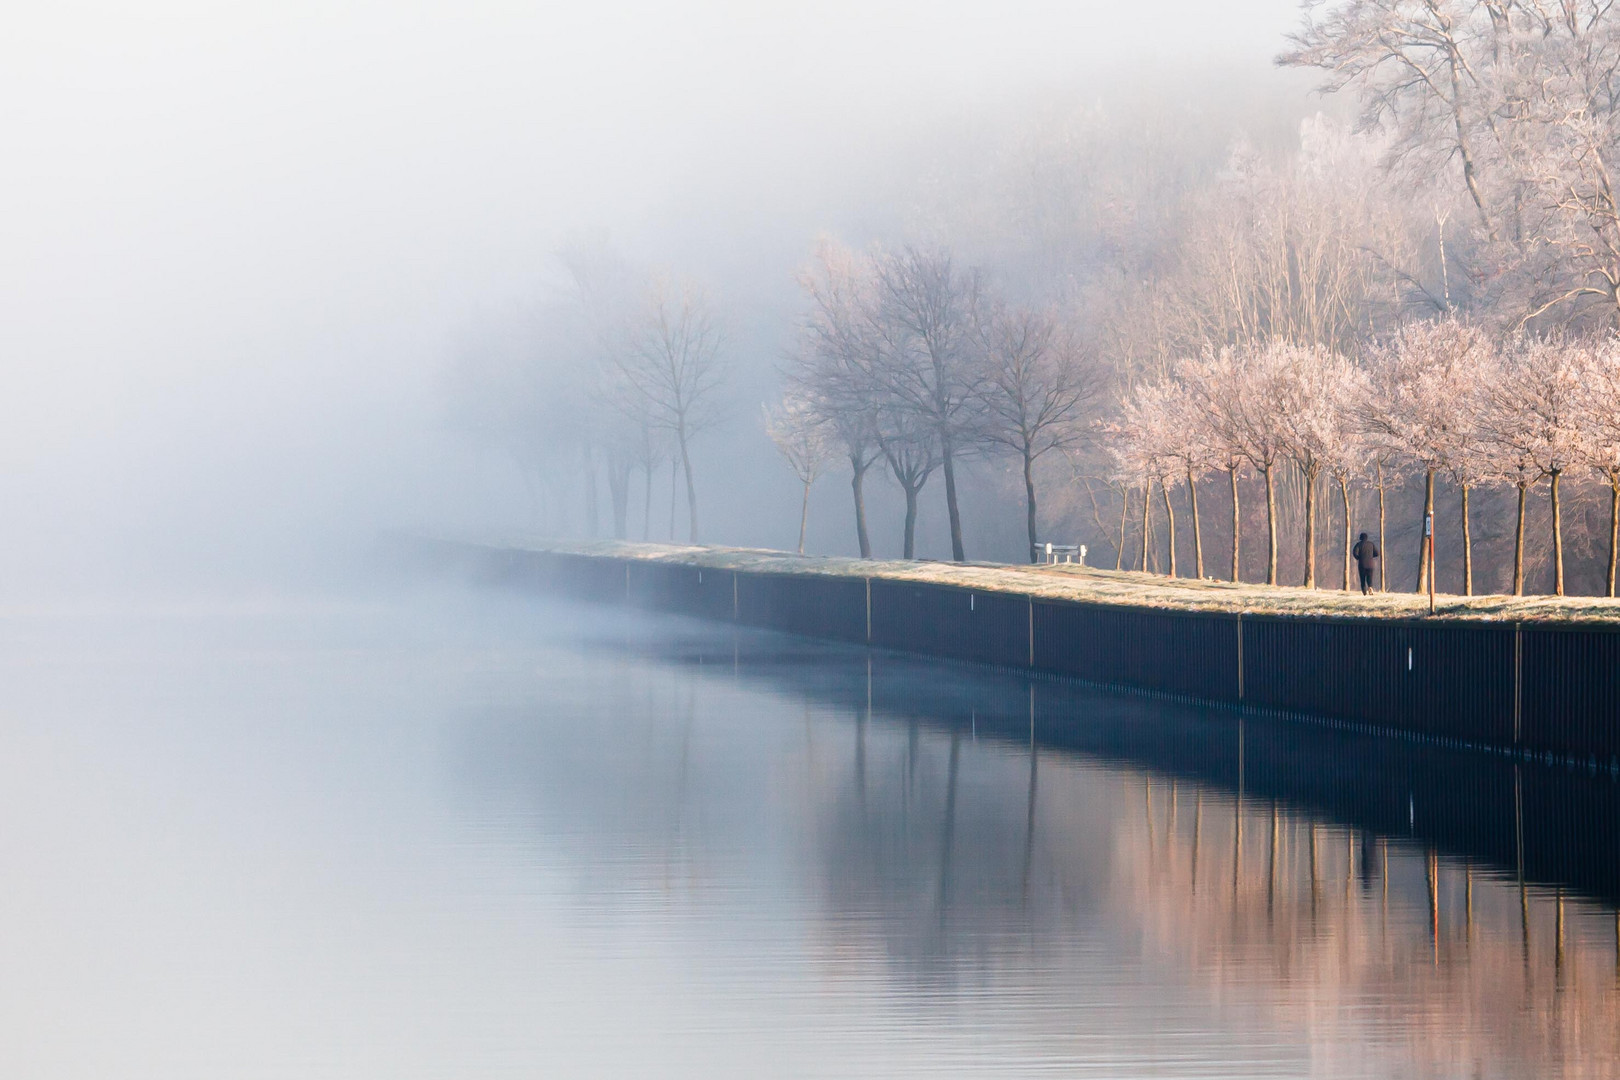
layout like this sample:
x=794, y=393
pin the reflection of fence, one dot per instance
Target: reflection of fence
x=1512, y=686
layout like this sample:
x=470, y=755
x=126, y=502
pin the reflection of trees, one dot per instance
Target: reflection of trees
x=973, y=832
x=1465, y=971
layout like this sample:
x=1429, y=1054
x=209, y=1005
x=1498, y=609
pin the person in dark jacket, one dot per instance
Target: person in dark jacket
x=1367, y=555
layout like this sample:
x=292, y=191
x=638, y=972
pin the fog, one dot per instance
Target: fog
x=240, y=245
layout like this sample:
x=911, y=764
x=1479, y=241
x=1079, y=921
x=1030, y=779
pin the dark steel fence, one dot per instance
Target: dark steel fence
x=1448, y=680
x=1521, y=687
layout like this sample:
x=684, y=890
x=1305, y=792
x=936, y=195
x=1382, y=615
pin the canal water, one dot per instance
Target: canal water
x=477, y=835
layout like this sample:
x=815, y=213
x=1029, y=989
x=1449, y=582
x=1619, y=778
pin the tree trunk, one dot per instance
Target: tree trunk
x=804, y=515
x=858, y=486
x=1170, y=517
x=646, y=507
x=1310, y=529
x=1428, y=515
x=1614, y=530
x=1468, y=546
x=1198, y=534
x=1029, y=503
x=910, y=544
x=1518, y=546
x=957, y=551
x=1383, y=575
x=691, y=492
x=1558, y=538
x=619, y=490
x=1124, y=517
x=593, y=517
x=1237, y=526
x=1271, y=526
x=674, y=489
x=1344, y=504
x=1147, y=523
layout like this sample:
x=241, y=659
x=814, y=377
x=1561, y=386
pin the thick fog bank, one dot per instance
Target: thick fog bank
x=244, y=248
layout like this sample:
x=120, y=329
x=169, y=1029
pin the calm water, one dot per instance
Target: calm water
x=456, y=836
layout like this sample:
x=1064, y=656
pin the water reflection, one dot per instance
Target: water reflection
x=1069, y=877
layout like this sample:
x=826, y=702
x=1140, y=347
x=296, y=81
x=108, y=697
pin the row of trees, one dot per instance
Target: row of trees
x=1442, y=254
x=1439, y=399
x=909, y=358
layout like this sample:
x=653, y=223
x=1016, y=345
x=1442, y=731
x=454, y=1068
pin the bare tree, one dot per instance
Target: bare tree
x=929, y=313
x=837, y=361
x=800, y=434
x=910, y=447
x=672, y=364
x=1036, y=388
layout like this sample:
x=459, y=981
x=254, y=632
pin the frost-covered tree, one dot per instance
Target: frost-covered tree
x=1599, y=402
x=1307, y=396
x=1512, y=104
x=1261, y=391
x=1424, y=382
x=1211, y=385
x=1531, y=418
x=1305, y=248
x=1142, y=444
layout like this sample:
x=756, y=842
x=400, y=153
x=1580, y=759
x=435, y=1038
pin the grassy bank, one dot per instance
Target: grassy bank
x=1122, y=587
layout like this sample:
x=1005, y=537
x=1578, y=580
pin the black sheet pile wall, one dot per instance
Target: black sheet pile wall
x=1519, y=687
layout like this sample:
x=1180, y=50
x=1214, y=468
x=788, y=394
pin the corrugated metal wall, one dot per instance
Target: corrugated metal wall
x=1527, y=688
x=1570, y=691
x=942, y=620
x=1190, y=654
x=810, y=604
x=1448, y=680
x=687, y=590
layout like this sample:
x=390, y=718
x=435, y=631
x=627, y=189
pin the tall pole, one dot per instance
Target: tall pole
x=1428, y=538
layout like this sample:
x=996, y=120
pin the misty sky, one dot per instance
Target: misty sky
x=236, y=238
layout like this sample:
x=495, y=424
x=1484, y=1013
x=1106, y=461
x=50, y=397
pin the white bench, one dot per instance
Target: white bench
x=1053, y=553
